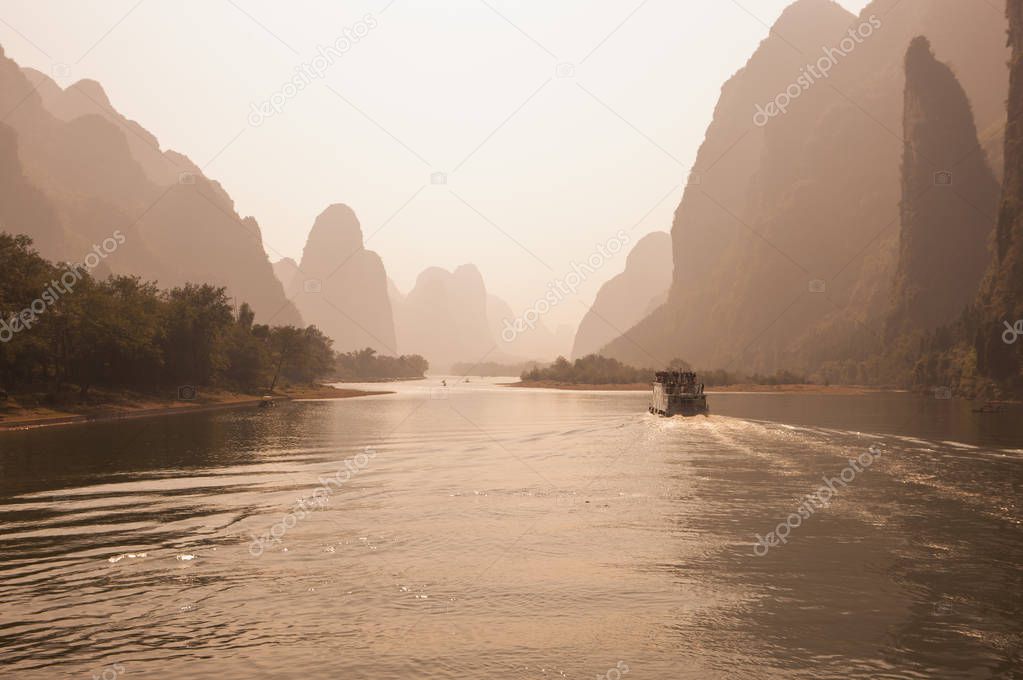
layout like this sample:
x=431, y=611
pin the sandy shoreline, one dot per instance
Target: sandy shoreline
x=646, y=387
x=147, y=407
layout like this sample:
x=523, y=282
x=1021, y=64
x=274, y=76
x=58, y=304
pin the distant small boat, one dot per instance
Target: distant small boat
x=444, y=383
x=677, y=393
x=989, y=407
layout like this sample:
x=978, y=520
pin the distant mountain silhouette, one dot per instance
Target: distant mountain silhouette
x=87, y=98
x=624, y=300
x=100, y=172
x=285, y=269
x=450, y=318
x=947, y=215
x=342, y=288
x=444, y=318
x=789, y=225
x=531, y=344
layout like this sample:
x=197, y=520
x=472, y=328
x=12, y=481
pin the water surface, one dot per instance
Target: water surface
x=483, y=531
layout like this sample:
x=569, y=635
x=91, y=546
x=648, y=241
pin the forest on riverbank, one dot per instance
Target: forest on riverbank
x=595, y=369
x=64, y=332
x=366, y=364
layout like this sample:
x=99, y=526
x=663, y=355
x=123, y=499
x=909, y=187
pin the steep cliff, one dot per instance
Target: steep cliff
x=790, y=225
x=341, y=287
x=946, y=215
x=1000, y=352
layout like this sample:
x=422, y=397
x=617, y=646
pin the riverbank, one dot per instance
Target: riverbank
x=555, y=385
x=124, y=405
x=646, y=387
x=802, y=389
x=359, y=381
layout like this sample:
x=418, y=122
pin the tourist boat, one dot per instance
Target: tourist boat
x=677, y=393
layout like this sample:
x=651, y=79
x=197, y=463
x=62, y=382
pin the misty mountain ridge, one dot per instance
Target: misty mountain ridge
x=809, y=234
x=99, y=172
x=442, y=300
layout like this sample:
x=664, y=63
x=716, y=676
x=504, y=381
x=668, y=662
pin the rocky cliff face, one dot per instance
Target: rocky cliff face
x=1001, y=298
x=342, y=288
x=791, y=221
x=711, y=231
x=949, y=199
x=101, y=172
x=624, y=300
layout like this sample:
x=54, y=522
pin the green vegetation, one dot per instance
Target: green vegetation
x=598, y=370
x=491, y=369
x=946, y=356
x=366, y=365
x=61, y=328
x=589, y=370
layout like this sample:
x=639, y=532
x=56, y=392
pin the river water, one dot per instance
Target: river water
x=480, y=531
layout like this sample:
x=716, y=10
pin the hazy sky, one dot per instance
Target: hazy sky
x=540, y=168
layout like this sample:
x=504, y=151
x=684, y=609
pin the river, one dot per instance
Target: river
x=479, y=531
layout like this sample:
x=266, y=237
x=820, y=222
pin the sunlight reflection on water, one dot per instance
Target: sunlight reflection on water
x=526, y=532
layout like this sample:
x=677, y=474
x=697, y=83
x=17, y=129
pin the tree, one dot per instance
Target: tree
x=197, y=317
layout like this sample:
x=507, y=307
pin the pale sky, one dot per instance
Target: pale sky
x=541, y=169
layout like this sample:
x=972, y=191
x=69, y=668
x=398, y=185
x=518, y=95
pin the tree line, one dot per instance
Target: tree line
x=595, y=369
x=61, y=327
x=366, y=364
